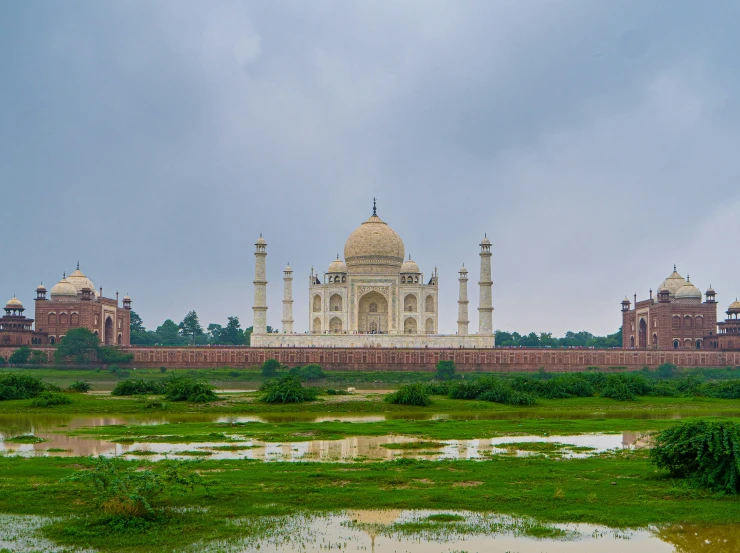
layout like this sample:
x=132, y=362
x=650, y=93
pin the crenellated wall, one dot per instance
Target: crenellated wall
x=500, y=360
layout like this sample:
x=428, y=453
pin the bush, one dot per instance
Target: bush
x=80, y=387
x=162, y=370
x=137, y=387
x=518, y=391
x=20, y=386
x=287, y=390
x=706, y=452
x=20, y=356
x=132, y=492
x=50, y=399
x=445, y=370
x=119, y=372
x=184, y=388
x=332, y=392
x=666, y=370
x=438, y=388
x=111, y=354
x=616, y=388
x=410, y=394
x=309, y=372
x=500, y=393
x=729, y=389
x=2, y=360
x=270, y=367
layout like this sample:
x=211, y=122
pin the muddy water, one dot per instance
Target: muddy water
x=360, y=448
x=391, y=531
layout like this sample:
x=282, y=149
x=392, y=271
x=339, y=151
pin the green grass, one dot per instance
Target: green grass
x=26, y=439
x=414, y=445
x=579, y=490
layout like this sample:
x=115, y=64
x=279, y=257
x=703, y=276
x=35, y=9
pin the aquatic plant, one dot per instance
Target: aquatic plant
x=706, y=452
x=410, y=394
x=137, y=387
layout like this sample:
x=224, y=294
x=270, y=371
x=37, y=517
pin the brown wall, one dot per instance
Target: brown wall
x=423, y=359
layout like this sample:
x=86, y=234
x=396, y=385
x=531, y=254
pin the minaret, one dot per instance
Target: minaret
x=260, y=287
x=462, y=304
x=288, y=300
x=485, y=309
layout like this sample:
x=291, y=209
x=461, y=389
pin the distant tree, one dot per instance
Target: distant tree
x=168, y=334
x=137, y=325
x=214, y=333
x=248, y=336
x=232, y=333
x=190, y=326
x=270, y=367
x=445, y=370
x=20, y=356
x=79, y=344
x=37, y=357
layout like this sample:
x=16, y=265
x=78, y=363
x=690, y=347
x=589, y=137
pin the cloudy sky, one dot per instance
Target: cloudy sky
x=597, y=143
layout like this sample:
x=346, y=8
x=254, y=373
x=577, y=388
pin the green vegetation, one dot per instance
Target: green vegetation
x=705, y=452
x=445, y=370
x=82, y=347
x=50, y=399
x=270, y=368
x=410, y=394
x=138, y=387
x=445, y=517
x=20, y=386
x=287, y=390
x=414, y=445
x=26, y=356
x=309, y=372
x=130, y=492
x=183, y=388
x=26, y=439
x=79, y=387
x=571, y=339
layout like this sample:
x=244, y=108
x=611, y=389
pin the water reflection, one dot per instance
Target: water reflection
x=411, y=531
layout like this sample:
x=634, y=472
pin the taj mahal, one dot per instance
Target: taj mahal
x=373, y=298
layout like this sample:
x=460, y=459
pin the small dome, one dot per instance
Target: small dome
x=126, y=298
x=463, y=269
x=14, y=303
x=41, y=288
x=260, y=241
x=374, y=243
x=710, y=291
x=688, y=292
x=673, y=282
x=485, y=241
x=734, y=307
x=626, y=300
x=337, y=266
x=288, y=269
x=64, y=289
x=410, y=266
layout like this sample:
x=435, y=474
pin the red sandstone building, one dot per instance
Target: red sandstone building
x=73, y=303
x=679, y=319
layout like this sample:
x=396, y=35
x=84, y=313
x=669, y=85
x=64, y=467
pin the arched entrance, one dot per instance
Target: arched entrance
x=109, y=331
x=409, y=326
x=316, y=329
x=372, y=316
x=643, y=334
x=335, y=325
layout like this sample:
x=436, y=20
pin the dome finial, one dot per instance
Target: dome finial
x=688, y=278
x=375, y=208
x=78, y=265
x=674, y=267
x=64, y=275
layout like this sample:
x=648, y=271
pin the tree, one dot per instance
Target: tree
x=168, y=334
x=190, y=326
x=80, y=344
x=137, y=325
x=270, y=367
x=231, y=334
x=20, y=356
x=445, y=370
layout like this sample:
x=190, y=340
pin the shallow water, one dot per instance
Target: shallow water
x=359, y=448
x=398, y=531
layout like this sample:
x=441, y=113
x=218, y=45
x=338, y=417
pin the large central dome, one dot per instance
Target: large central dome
x=374, y=244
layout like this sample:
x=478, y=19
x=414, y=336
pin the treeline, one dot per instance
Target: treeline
x=571, y=339
x=190, y=332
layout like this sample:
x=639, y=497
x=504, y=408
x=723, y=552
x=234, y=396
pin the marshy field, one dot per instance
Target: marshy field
x=231, y=460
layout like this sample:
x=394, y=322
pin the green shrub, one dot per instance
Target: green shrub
x=20, y=386
x=234, y=374
x=445, y=370
x=729, y=389
x=162, y=370
x=666, y=370
x=438, y=388
x=706, y=452
x=37, y=357
x=309, y=372
x=50, y=399
x=113, y=355
x=616, y=388
x=2, y=360
x=80, y=387
x=287, y=390
x=122, y=491
x=137, y=387
x=184, y=388
x=20, y=356
x=332, y=392
x=410, y=394
x=270, y=367
x=501, y=393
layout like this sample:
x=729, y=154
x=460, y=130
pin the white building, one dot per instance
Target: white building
x=372, y=299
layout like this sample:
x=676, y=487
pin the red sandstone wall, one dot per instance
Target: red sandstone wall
x=502, y=360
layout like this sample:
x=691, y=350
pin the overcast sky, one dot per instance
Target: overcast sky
x=597, y=143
